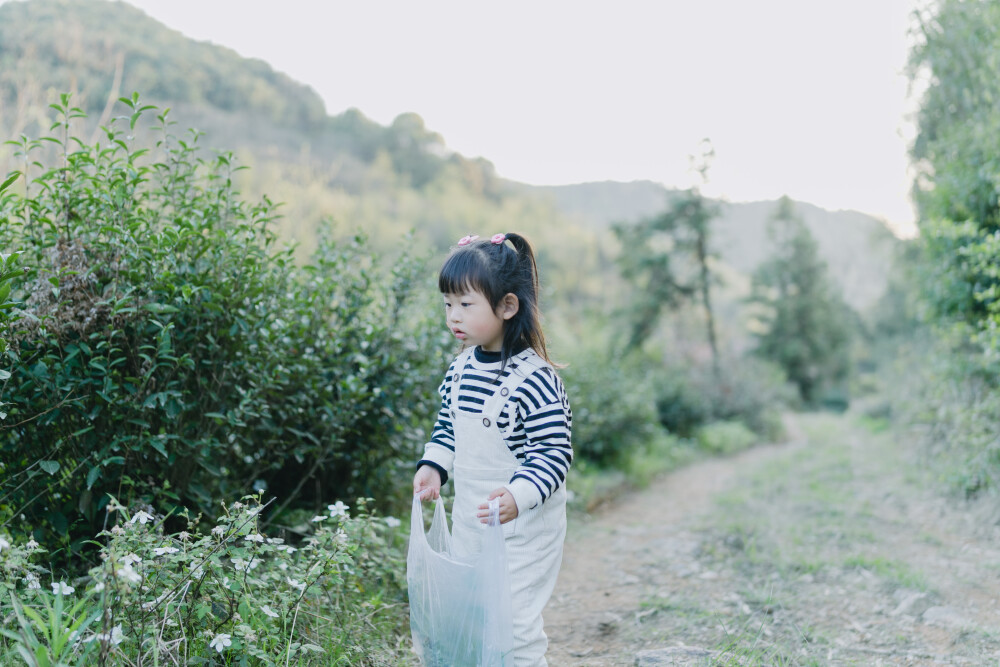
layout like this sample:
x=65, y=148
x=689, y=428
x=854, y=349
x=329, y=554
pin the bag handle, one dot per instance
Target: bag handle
x=494, y=509
x=417, y=520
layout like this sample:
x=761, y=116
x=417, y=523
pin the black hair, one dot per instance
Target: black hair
x=496, y=270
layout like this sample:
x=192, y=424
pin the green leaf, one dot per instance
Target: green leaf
x=158, y=446
x=92, y=476
x=9, y=180
x=160, y=308
x=51, y=467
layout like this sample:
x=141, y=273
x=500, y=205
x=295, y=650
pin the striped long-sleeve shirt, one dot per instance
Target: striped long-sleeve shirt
x=540, y=439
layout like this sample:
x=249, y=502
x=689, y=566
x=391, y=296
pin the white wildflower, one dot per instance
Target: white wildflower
x=296, y=584
x=160, y=551
x=115, y=637
x=220, y=642
x=142, y=517
x=393, y=522
x=256, y=537
x=32, y=544
x=128, y=559
x=183, y=535
x=99, y=586
x=244, y=566
x=219, y=530
x=32, y=580
x=267, y=610
x=116, y=530
x=317, y=519
x=128, y=574
x=275, y=540
x=338, y=509
x=4, y=544
x=61, y=588
x=341, y=537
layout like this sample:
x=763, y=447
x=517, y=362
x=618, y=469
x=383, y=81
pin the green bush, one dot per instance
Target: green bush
x=333, y=596
x=613, y=411
x=725, y=437
x=169, y=352
x=748, y=390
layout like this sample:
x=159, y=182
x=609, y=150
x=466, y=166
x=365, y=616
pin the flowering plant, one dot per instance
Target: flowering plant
x=329, y=589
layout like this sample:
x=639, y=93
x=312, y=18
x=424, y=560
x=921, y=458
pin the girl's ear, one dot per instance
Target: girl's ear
x=509, y=306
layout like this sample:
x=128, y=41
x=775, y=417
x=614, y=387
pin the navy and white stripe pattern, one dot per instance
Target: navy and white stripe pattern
x=543, y=421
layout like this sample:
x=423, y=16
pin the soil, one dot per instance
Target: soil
x=837, y=547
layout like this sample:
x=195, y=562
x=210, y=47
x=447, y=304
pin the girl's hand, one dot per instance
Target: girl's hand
x=508, y=507
x=427, y=483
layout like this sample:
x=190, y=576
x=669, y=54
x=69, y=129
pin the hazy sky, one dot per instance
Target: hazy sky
x=798, y=97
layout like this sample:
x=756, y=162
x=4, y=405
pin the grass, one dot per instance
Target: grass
x=822, y=530
x=893, y=572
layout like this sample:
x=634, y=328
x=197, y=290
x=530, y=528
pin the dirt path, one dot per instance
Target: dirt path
x=832, y=549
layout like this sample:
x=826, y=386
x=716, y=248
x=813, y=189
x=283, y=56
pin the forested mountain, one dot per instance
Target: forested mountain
x=857, y=247
x=387, y=180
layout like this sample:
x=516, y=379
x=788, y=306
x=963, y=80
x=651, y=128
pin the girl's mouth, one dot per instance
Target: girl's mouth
x=459, y=334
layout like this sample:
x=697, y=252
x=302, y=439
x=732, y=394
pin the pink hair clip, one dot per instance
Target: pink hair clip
x=466, y=240
x=498, y=239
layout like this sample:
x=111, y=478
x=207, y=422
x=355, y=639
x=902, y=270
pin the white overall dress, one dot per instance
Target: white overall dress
x=533, y=540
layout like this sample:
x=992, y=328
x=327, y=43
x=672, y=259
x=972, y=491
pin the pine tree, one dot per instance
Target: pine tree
x=804, y=323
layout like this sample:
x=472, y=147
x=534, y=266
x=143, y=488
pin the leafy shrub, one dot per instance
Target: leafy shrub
x=749, y=390
x=681, y=405
x=725, y=437
x=612, y=407
x=333, y=596
x=170, y=352
x=943, y=401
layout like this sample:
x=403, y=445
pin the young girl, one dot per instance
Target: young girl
x=504, y=426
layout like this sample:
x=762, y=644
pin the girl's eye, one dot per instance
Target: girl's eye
x=466, y=304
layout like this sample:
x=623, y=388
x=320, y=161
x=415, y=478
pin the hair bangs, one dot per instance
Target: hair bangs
x=466, y=270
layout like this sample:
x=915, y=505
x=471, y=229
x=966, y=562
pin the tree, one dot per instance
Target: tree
x=805, y=322
x=956, y=154
x=666, y=258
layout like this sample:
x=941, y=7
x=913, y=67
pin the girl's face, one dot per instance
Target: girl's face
x=474, y=322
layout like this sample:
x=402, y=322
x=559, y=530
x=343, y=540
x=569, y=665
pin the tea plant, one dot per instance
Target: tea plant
x=170, y=352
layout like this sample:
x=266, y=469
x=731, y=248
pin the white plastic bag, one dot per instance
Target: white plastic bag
x=460, y=609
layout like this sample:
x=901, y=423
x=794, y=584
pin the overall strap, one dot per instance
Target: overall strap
x=527, y=362
x=456, y=378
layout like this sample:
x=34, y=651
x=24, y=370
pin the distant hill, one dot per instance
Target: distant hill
x=387, y=180
x=99, y=50
x=857, y=247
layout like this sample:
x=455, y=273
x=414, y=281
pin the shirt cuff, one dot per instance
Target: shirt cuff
x=526, y=494
x=439, y=460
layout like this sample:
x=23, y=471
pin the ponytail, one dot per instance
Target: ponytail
x=527, y=332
